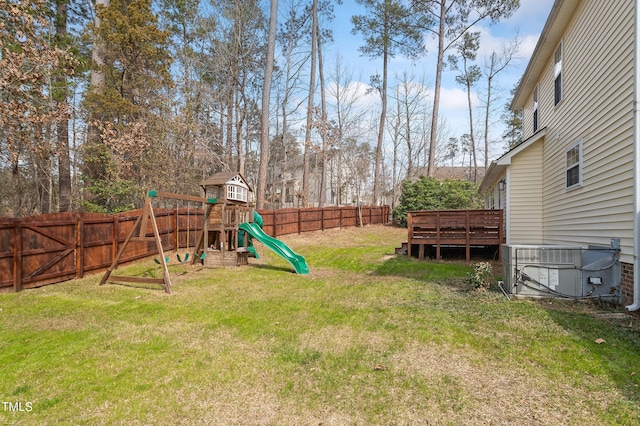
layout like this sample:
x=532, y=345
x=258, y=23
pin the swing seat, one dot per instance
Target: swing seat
x=186, y=258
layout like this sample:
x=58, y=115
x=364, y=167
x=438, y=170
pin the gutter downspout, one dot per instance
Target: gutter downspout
x=507, y=203
x=636, y=160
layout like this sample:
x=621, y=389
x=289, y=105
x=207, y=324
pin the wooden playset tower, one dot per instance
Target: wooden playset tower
x=221, y=246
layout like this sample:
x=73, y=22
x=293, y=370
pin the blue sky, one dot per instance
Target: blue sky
x=528, y=22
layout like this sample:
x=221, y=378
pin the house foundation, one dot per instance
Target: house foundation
x=626, y=284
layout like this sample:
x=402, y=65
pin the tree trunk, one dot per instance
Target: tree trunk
x=62, y=126
x=486, y=125
x=323, y=125
x=96, y=80
x=229, y=124
x=241, y=115
x=383, y=118
x=431, y=167
x=310, y=105
x=266, y=97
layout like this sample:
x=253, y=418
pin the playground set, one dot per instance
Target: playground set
x=226, y=239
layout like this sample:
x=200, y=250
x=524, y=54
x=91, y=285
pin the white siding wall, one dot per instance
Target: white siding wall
x=527, y=117
x=597, y=107
x=525, y=204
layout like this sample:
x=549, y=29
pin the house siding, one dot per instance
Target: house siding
x=597, y=108
x=525, y=202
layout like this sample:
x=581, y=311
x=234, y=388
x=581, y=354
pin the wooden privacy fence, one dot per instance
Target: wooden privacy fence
x=460, y=228
x=52, y=248
x=295, y=221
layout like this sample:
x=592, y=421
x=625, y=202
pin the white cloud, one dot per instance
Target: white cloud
x=453, y=99
x=528, y=45
x=531, y=12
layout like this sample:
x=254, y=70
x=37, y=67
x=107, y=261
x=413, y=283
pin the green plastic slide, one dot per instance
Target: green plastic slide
x=298, y=262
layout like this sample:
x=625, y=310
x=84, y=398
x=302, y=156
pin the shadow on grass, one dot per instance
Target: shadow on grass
x=453, y=274
x=141, y=286
x=274, y=268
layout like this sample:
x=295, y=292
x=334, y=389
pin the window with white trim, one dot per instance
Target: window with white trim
x=557, y=75
x=574, y=165
x=235, y=192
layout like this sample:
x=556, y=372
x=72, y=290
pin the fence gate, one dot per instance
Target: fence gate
x=43, y=250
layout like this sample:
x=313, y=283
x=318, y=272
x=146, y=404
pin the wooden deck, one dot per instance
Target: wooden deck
x=459, y=228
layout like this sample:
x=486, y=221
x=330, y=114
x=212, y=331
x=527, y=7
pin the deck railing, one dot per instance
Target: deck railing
x=460, y=228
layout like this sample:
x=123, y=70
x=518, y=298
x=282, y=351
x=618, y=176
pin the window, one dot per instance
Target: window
x=557, y=75
x=535, y=109
x=235, y=192
x=574, y=165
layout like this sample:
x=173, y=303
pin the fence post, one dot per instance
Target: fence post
x=275, y=223
x=299, y=221
x=467, y=234
x=114, y=238
x=17, y=256
x=79, y=245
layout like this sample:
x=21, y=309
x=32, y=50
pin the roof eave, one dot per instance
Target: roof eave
x=552, y=33
x=494, y=173
x=497, y=167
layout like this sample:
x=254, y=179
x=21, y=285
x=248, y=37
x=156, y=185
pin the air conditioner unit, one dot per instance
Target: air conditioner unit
x=544, y=270
x=601, y=272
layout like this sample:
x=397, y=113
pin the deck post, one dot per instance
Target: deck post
x=438, y=256
x=467, y=235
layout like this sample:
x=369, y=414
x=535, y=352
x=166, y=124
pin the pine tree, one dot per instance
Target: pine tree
x=389, y=29
x=136, y=75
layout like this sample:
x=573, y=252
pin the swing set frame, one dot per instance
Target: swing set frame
x=139, y=233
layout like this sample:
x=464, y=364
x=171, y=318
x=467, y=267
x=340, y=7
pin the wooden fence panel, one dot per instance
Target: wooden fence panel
x=138, y=249
x=310, y=220
x=268, y=221
x=350, y=216
x=189, y=223
x=286, y=221
x=47, y=254
x=7, y=244
x=47, y=249
x=331, y=217
x=96, y=236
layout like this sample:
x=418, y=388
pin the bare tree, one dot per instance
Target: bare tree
x=310, y=104
x=266, y=91
x=27, y=63
x=470, y=74
x=62, y=126
x=323, y=122
x=494, y=65
x=290, y=36
x=448, y=21
x=345, y=93
x=388, y=29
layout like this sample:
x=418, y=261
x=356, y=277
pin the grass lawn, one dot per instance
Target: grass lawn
x=366, y=338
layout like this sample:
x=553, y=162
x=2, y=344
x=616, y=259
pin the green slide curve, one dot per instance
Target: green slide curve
x=298, y=262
